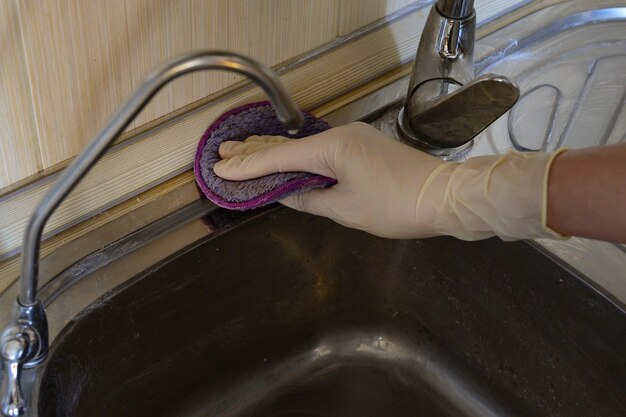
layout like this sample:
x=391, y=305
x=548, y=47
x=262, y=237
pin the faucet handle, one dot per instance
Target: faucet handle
x=454, y=119
x=17, y=344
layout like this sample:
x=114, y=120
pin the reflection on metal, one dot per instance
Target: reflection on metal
x=603, y=72
x=544, y=137
x=110, y=253
x=15, y=343
x=603, y=14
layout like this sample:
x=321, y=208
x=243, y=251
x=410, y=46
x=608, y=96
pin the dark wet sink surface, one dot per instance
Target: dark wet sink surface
x=292, y=315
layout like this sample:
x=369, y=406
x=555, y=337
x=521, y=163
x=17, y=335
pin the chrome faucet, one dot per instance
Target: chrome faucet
x=445, y=106
x=24, y=343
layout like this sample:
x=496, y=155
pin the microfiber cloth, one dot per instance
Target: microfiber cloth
x=236, y=125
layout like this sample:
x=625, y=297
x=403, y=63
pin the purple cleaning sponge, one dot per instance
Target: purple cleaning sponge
x=238, y=124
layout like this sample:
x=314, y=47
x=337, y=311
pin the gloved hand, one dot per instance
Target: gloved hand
x=392, y=190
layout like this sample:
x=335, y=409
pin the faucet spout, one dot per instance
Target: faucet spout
x=287, y=112
x=28, y=314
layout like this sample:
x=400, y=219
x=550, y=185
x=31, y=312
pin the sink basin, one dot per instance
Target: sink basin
x=293, y=315
x=277, y=313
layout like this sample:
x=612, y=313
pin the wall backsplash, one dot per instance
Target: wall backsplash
x=66, y=66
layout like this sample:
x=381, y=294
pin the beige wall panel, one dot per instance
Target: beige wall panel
x=19, y=149
x=353, y=14
x=297, y=26
x=149, y=46
x=208, y=31
x=161, y=29
x=86, y=57
x=247, y=23
x=277, y=30
x=77, y=53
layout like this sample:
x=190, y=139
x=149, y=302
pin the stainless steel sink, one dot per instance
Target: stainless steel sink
x=568, y=59
x=277, y=313
x=293, y=315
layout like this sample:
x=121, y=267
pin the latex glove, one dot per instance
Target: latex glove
x=392, y=190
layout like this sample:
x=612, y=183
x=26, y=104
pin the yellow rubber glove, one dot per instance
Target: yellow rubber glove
x=392, y=190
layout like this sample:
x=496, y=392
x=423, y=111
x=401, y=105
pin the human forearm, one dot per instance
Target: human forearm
x=587, y=193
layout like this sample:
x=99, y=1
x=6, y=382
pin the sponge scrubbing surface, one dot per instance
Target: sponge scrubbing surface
x=236, y=125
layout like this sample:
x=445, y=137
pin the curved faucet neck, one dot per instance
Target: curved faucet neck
x=288, y=113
